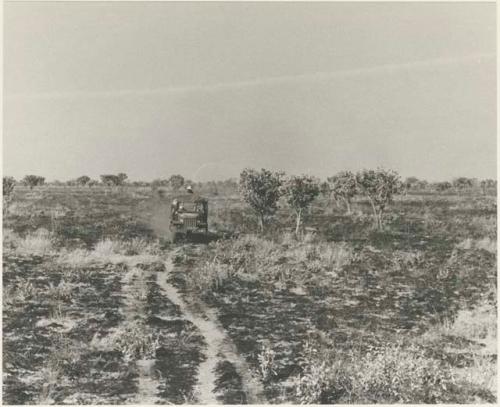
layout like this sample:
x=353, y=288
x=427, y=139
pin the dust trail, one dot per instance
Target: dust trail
x=219, y=347
x=160, y=215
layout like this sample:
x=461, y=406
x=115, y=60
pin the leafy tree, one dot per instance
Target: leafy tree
x=324, y=189
x=443, y=186
x=343, y=186
x=8, y=187
x=83, y=180
x=114, y=180
x=379, y=186
x=261, y=190
x=33, y=181
x=422, y=185
x=176, y=182
x=487, y=184
x=300, y=192
x=462, y=183
x=92, y=183
x=110, y=180
x=121, y=178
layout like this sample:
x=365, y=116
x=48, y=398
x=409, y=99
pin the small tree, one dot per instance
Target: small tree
x=176, y=182
x=261, y=190
x=121, y=177
x=110, y=180
x=92, y=183
x=300, y=192
x=462, y=183
x=83, y=180
x=33, y=181
x=379, y=187
x=8, y=188
x=488, y=184
x=422, y=185
x=343, y=187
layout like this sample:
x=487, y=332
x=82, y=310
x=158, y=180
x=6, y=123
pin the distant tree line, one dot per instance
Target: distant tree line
x=262, y=190
x=341, y=186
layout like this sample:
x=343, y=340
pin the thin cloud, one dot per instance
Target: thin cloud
x=269, y=81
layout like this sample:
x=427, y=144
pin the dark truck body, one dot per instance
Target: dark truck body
x=189, y=215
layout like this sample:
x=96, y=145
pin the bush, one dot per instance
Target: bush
x=392, y=373
x=261, y=190
x=134, y=340
x=209, y=277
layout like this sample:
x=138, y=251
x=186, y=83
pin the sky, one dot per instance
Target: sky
x=207, y=89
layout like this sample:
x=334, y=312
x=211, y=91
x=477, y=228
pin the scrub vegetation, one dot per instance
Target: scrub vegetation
x=361, y=289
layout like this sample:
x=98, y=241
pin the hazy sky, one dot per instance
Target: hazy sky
x=205, y=89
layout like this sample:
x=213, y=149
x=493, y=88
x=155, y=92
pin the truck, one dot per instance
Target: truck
x=188, y=216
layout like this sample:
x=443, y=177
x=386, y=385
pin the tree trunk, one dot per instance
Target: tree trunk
x=298, y=221
x=348, y=205
x=261, y=223
x=375, y=213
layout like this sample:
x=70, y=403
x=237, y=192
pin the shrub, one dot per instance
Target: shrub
x=134, y=340
x=83, y=180
x=63, y=291
x=392, y=373
x=7, y=189
x=343, y=186
x=33, y=181
x=209, y=277
x=300, y=192
x=261, y=190
x=266, y=362
x=140, y=245
x=107, y=248
x=176, y=182
x=379, y=187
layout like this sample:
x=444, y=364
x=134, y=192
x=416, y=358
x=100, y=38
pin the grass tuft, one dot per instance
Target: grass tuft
x=40, y=242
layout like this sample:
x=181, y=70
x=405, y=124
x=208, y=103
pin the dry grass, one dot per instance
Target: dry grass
x=485, y=243
x=392, y=373
x=252, y=257
x=112, y=252
x=479, y=326
x=40, y=242
x=209, y=277
x=135, y=340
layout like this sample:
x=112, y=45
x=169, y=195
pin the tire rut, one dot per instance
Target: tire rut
x=219, y=347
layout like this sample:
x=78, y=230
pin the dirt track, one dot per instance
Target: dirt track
x=219, y=348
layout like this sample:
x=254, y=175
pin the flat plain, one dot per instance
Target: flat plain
x=99, y=308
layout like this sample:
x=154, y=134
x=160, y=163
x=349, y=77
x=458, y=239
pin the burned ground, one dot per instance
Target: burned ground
x=97, y=308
